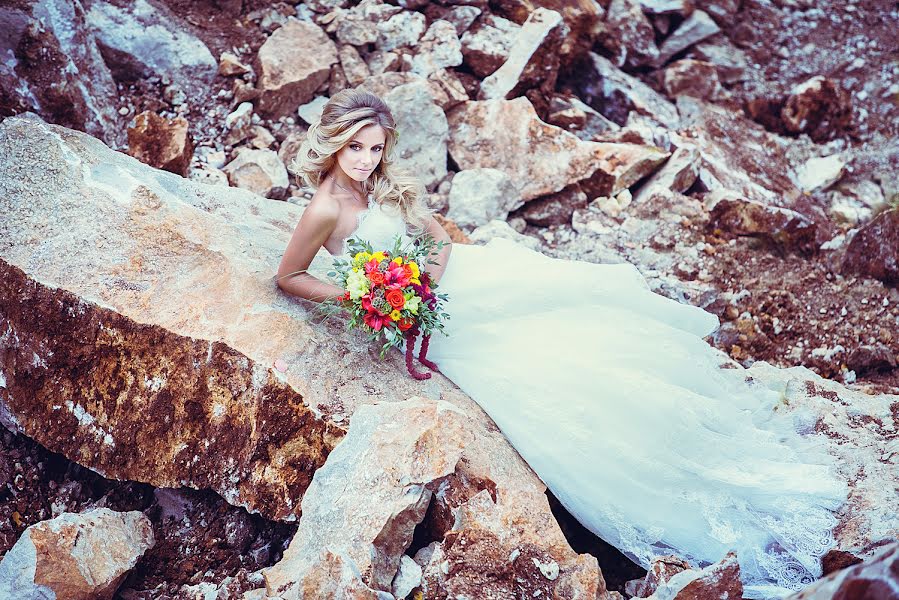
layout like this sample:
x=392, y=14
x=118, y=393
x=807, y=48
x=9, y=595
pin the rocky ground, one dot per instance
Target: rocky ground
x=796, y=284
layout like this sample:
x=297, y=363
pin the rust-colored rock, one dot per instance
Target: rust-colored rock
x=817, y=107
x=294, y=61
x=877, y=578
x=782, y=226
x=662, y=569
x=582, y=19
x=455, y=232
x=874, y=249
x=542, y=159
x=161, y=143
x=75, y=556
x=555, y=209
x=721, y=580
x=690, y=77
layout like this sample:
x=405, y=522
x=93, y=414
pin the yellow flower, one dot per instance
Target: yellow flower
x=415, y=272
x=395, y=315
x=398, y=260
x=361, y=258
x=378, y=256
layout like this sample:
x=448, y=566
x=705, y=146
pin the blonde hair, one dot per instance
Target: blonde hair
x=345, y=114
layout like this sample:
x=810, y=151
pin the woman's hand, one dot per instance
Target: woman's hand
x=315, y=227
x=436, y=231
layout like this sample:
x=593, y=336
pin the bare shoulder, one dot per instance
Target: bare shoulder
x=322, y=208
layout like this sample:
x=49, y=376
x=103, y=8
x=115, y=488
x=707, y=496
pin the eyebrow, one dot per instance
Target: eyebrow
x=358, y=143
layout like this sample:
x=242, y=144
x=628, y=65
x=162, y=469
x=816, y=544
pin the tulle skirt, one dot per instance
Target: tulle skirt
x=610, y=394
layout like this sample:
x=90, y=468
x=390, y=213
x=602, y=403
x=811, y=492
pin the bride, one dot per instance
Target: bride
x=606, y=389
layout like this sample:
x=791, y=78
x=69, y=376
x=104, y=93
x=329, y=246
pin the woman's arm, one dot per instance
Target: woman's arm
x=439, y=234
x=315, y=227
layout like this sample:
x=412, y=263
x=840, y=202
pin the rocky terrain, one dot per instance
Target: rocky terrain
x=743, y=154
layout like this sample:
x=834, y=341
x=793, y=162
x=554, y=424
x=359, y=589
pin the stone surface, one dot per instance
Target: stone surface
x=161, y=143
x=821, y=172
x=616, y=94
x=874, y=579
x=354, y=68
x=485, y=47
x=532, y=63
x=781, y=226
x=555, y=209
x=402, y=30
x=660, y=571
x=75, y=556
x=629, y=36
x=542, y=159
x=737, y=154
x=817, y=107
x=874, y=249
x=693, y=78
x=871, y=357
x=439, y=48
x=139, y=39
x=730, y=61
x=53, y=66
x=501, y=229
x=230, y=65
x=583, y=19
x=678, y=174
x=481, y=195
x=259, y=171
x=696, y=28
x=239, y=123
x=293, y=62
x=422, y=147
x=718, y=581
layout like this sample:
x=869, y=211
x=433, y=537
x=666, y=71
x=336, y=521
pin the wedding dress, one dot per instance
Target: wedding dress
x=610, y=394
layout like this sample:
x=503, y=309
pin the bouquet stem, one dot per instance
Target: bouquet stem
x=410, y=351
x=423, y=355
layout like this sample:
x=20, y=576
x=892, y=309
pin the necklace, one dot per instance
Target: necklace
x=351, y=192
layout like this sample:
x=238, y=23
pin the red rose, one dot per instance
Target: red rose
x=396, y=299
x=377, y=278
x=405, y=323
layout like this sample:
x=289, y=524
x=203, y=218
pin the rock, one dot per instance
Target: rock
x=259, y=171
x=531, y=64
x=419, y=464
x=629, y=37
x=408, y=577
x=479, y=196
x=292, y=63
x=662, y=569
x=161, y=143
x=681, y=8
x=140, y=40
x=501, y=229
x=444, y=88
x=290, y=147
x=209, y=175
x=722, y=11
x=730, y=61
x=261, y=138
x=238, y=122
x=439, y=49
x=555, y=209
x=821, y=172
x=782, y=226
x=692, y=78
x=402, y=30
x=678, y=174
x=721, y=580
x=874, y=249
x=542, y=159
x=817, y=107
x=451, y=91
x=354, y=68
x=615, y=94
x=486, y=46
x=78, y=556
x=737, y=154
x=422, y=147
x=875, y=578
x=696, y=28
x=53, y=67
x=873, y=357
x=230, y=65
x=311, y=112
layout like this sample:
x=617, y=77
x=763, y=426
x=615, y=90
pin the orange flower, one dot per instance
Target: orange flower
x=405, y=323
x=396, y=299
x=377, y=278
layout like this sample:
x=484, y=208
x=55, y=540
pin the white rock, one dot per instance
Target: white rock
x=401, y=30
x=820, y=173
x=260, y=171
x=311, y=112
x=408, y=577
x=439, y=48
x=696, y=28
x=422, y=147
x=481, y=195
x=501, y=229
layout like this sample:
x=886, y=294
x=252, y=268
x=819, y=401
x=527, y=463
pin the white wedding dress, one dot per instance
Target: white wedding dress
x=610, y=394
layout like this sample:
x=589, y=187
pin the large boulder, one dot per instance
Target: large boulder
x=874, y=579
x=292, y=63
x=542, y=159
x=139, y=39
x=52, y=66
x=422, y=147
x=143, y=336
x=485, y=47
x=874, y=249
x=630, y=36
x=75, y=556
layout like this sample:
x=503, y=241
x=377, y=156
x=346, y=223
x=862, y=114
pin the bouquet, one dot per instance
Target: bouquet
x=390, y=297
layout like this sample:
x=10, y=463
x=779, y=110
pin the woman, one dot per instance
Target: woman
x=607, y=390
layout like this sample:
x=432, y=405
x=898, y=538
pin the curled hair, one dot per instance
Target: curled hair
x=345, y=114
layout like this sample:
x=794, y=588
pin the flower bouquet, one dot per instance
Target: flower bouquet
x=390, y=297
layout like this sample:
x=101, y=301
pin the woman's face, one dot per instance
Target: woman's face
x=360, y=157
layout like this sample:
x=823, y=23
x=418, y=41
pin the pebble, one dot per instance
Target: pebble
x=123, y=111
